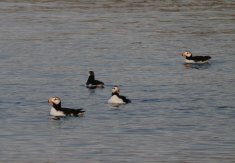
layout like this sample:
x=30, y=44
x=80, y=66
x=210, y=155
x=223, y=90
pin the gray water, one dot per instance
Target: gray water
x=179, y=113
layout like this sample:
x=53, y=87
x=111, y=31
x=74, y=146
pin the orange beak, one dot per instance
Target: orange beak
x=49, y=101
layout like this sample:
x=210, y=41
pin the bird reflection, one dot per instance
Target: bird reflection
x=196, y=66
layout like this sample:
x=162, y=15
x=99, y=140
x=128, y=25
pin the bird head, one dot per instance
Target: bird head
x=54, y=101
x=186, y=54
x=115, y=89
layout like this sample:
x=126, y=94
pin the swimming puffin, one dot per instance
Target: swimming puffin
x=189, y=58
x=92, y=83
x=116, y=98
x=58, y=111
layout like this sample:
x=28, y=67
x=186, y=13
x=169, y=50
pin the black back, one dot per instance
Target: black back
x=199, y=58
x=68, y=111
x=74, y=112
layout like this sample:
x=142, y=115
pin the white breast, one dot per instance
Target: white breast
x=54, y=112
x=189, y=61
x=115, y=100
x=192, y=61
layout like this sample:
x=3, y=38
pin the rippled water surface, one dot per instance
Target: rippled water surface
x=179, y=113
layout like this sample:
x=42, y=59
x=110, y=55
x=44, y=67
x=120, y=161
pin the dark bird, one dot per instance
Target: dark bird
x=92, y=83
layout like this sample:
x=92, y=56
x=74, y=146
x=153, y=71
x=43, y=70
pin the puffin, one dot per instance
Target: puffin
x=116, y=98
x=58, y=111
x=92, y=83
x=189, y=58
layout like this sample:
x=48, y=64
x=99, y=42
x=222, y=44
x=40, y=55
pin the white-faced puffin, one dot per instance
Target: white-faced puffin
x=189, y=58
x=92, y=83
x=58, y=111
x=116, y=98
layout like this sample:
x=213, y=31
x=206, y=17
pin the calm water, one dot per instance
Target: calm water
x=180, y=113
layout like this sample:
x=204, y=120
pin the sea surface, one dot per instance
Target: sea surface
x=180, y=113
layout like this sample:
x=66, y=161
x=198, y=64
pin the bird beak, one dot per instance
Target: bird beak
x=180, y=54
x=49, y=101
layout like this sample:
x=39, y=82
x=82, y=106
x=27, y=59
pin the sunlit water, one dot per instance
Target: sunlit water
x=179, y=113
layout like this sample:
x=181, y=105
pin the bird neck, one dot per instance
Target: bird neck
x=115, y=93
x=190, y=57
x=91, y=78
x=57, y=106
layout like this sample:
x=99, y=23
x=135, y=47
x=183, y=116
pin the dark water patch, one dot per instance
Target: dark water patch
x=150, y=100
x=225, y=111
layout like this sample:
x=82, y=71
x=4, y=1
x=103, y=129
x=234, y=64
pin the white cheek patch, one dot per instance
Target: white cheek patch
x=114, y=89
x=56, y=101
x=187, y=54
